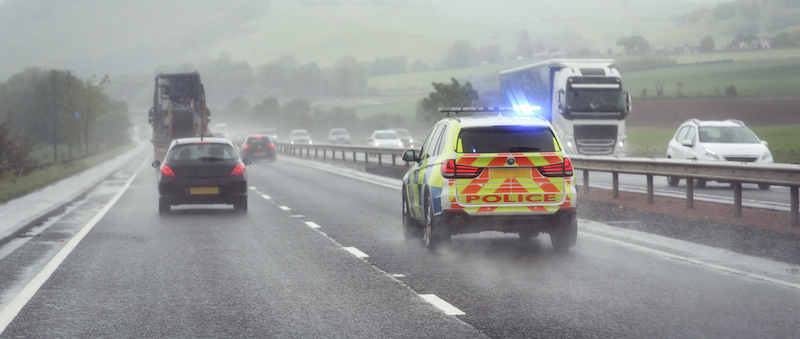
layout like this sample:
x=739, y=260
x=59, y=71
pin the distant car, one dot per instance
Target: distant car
x=258, y=147
x=405, y=136
x=385, y=138
x=728, y=140
x=338, y=136
x=299, y=136
x=272, y=133
x=202, y=171
x=221, y=130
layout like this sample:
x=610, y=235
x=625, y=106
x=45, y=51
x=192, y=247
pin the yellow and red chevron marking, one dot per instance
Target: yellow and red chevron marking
x=513, y=209
x=501, y=159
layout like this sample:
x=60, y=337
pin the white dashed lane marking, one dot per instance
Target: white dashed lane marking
x=356, y=252
x=285, y=208
x=441, y=304
x=312, y=224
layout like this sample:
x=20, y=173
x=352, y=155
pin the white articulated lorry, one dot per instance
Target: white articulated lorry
x=583, y=100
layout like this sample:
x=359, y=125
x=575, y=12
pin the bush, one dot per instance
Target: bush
x=730, y=91
x=14, y=151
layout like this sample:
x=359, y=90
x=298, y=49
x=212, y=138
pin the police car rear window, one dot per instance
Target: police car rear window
x=504, y=139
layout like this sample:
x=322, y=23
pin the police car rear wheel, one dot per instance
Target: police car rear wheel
x=565, y=236
x=411, y=229
x=432, y=237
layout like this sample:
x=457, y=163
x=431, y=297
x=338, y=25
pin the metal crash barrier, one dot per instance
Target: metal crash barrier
x=324, y=149
x=734, y=172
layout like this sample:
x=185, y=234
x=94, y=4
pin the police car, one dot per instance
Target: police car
x=495, y=172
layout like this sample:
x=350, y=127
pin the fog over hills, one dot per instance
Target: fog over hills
x=115, y=36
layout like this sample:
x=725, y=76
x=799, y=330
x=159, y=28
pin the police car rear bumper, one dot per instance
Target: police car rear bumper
x=459, y=222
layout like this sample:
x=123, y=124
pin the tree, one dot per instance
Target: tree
x=387, y=66
x=524, y=46
x=449, y=95
x=418, y=66
x=783, y=39
x=93, y=104
x=490, y=54
x=14, y=150
x=461, y=54
x=634, y=44
x=707, y=44
x=348, y=78
x=268, y=112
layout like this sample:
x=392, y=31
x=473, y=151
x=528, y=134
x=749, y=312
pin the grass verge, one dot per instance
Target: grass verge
x=20, y=186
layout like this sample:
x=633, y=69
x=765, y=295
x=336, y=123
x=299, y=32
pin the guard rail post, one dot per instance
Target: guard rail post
x=394, y=163
x=315, y=152
x=737, y=199
x=355, y=159
x=615, y=184
x=380, y=158
x=586, y=181
x=324, y=153
x=650, y=189
x=689, y=193
x=795, y=201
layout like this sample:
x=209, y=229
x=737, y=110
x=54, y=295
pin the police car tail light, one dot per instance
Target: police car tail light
x=271, y=145
x=238, y=170
x=450, y=169
x=563, y=169
x=166, y=171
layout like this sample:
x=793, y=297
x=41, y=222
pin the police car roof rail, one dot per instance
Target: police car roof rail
x=448, y=110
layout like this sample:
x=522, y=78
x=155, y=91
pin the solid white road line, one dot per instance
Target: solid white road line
x=15, y=306
x=695, y=261
x=312, y=224
x=354, y=251
x=441, y=304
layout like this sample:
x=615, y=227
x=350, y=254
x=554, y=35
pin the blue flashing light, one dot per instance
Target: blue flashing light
x=527, y=109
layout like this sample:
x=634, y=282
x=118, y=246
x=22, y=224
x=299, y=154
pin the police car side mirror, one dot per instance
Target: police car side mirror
x=246, y=162
x=156, y=164
x=686, y=143
x=409, y=155
x=764, y=142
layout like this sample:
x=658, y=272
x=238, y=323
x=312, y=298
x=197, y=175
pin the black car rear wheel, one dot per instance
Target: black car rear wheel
x=163, y=207
x=240, y=206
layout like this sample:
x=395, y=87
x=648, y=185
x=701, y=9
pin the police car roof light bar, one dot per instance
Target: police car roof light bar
x=448, y=110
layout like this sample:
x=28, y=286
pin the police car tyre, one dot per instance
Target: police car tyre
x=763, y=186
x=163, y=207
x=411, y=230
x=565, y=236
x=700, y=183
x=433, y=236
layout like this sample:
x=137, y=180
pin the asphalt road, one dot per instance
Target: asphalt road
x=321, y=254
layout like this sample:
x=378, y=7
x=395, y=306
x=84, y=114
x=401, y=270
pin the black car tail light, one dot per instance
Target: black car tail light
x=563, y=169
x=166, y=171
x=450, y=169
x=238, y=170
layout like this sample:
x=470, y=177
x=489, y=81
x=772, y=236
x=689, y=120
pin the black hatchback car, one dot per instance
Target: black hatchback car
x=202, y=171
x=258, y=147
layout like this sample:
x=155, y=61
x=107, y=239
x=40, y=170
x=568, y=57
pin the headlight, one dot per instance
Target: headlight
x=400, y=144
x=710, y=154
x=766, y=156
